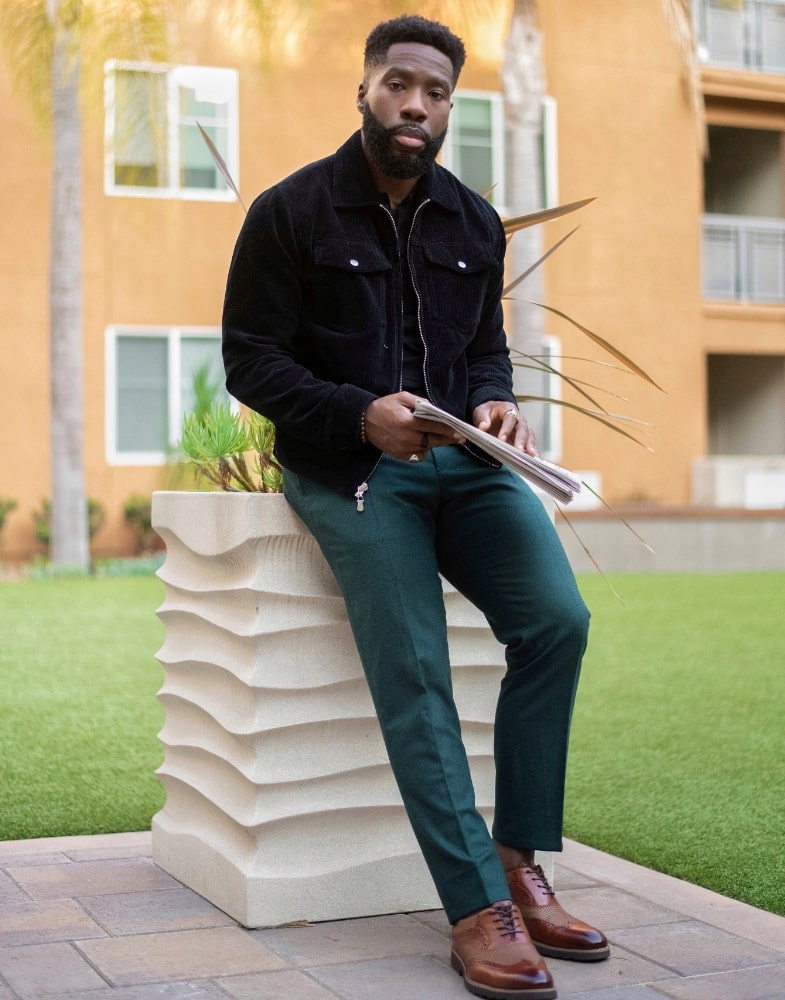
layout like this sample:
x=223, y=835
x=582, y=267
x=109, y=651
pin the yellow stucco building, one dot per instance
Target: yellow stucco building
x=679, y=262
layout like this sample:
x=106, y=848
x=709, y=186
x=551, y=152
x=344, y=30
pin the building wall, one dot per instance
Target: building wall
x=24, y=337
x=631, y=272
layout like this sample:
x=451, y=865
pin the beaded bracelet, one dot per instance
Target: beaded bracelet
x=363, y=438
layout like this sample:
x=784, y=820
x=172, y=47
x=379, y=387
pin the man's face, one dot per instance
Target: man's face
x=406, y=104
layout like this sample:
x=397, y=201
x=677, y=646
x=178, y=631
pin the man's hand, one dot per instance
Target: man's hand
x=391, y=425
x=503, y=420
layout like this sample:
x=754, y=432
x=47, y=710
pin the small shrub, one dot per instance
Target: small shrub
x=137, y=511
x=96, y=516
x=6, y=506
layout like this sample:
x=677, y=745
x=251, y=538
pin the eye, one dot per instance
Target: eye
x=395, y=85
x=438, y=95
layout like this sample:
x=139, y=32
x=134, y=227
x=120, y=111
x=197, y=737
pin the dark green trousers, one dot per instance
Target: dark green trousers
x=486, y=532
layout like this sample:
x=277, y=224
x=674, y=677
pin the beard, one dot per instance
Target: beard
x=402, y=166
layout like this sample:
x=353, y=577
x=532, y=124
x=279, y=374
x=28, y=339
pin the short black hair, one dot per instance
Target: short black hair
x=413, y=28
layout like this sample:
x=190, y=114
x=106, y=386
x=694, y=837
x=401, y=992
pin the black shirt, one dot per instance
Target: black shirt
x=412, y=376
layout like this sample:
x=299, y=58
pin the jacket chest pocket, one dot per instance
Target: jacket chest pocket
x=349, y=285
x=458, y=275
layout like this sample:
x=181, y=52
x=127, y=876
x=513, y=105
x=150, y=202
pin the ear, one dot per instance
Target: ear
x=362, y=93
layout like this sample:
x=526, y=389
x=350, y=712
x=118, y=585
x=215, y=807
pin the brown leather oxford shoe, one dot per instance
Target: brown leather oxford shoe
x=553, y=931
x=493, y=953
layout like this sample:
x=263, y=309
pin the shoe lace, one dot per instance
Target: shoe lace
x=541, y=879
x=507, y=920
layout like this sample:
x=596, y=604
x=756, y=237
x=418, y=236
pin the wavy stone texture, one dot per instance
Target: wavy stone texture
x=280, y=801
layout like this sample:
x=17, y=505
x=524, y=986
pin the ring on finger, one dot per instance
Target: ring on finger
x=512, y=410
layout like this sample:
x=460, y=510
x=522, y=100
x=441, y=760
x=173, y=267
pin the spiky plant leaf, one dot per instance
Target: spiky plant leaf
x=545, y=215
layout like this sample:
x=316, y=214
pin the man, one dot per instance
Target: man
x=357, y=284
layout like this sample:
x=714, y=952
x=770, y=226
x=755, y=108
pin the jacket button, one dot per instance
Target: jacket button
x=354, y=263
x=461, y=263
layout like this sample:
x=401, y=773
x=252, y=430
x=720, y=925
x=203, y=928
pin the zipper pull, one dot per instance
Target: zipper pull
x=361, y=489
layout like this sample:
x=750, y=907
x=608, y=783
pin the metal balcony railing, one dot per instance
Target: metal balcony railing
x=742, y=34
x=743, y=258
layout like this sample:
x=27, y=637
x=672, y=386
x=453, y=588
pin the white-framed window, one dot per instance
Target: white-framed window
x=478, y=152
x=474, y=149
x=154, y=148
x=150, y=374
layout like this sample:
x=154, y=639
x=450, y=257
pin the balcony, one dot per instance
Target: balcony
x=743, y=258
x=742, y=34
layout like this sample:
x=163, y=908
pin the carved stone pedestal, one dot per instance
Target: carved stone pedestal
x=280, y=801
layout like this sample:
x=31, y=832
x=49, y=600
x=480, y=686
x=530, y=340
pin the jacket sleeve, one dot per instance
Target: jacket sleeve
x=261, y=318
x=488, y=355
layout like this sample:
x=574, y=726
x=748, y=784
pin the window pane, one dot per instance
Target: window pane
x=203, y=102
x=201, y=356
x=475, y=168
x=197, y=167
x=203, y=98
x=474, y=116
x=473, y=143
x=720, y=262
x=142, y=394
x=140, y=128
x=725, y=33
x=772, y=34
x=767, y=265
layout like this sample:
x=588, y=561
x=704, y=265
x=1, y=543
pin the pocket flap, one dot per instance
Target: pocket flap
x=462, y=258
x=360, y=258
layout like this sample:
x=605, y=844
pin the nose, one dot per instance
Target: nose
x=413, y=108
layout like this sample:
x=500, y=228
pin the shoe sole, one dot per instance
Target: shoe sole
x=572, y=954
x=537, y=993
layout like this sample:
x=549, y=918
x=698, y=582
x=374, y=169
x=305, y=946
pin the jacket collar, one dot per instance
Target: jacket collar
x=353, y=184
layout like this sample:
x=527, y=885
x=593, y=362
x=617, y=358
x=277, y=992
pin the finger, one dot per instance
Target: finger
x=524, y=439
x=511, y=425
x=435, y=440
x=437, y=433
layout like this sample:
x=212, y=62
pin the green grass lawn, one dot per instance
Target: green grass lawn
x=678, y=750
x=678, y=745
x=78, y=712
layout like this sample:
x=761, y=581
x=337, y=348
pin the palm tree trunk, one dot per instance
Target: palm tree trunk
x=69, y=543
x=523, y=77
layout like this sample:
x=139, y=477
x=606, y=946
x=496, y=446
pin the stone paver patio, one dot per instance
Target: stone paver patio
x=93, y=918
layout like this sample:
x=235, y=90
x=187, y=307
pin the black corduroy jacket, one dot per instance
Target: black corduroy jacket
x=313, y=313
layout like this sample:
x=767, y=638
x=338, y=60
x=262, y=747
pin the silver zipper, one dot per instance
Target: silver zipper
x=395, y=230
x=419, y=300
x=362, y=489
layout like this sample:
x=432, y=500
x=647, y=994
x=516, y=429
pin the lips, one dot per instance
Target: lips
x=410, y=138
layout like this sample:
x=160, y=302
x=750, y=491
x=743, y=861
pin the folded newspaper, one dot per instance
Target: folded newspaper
x=559, y=483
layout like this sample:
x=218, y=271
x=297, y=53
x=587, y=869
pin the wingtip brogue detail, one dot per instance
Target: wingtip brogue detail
x=553, y=931
x=492, y=951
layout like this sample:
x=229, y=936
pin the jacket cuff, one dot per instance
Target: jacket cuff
x=487, y=393
x=350, y=406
